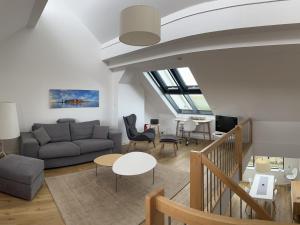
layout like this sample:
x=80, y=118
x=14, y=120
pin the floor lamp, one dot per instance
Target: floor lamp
x=9, y=126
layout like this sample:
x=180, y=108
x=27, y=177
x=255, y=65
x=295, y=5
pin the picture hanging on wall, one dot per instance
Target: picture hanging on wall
x=61, y=98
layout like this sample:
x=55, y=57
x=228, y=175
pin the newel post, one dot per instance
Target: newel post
x=196, y=181
x=153, y=216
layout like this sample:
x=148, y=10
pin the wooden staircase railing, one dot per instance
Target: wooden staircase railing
x=212, y=171
x=158, y=207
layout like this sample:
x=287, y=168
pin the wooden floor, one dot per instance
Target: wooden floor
x=43, y=211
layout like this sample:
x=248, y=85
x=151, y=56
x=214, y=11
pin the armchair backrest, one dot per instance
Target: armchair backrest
x=130, y=122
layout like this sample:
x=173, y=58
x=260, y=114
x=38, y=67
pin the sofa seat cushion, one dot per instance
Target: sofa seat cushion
x=94, y=145
x=58, y=150
x=20, y=169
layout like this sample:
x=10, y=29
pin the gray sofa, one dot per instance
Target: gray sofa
x=70, y=143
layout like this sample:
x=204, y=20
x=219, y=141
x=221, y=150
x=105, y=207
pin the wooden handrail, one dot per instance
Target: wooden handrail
x=261, y=213
x=157, y=206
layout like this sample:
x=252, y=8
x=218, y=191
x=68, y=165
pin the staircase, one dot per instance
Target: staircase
x=215, y=173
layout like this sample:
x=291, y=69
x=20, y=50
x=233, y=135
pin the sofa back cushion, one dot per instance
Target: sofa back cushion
x=100, y=132
x=83, y=130
x=57, y=132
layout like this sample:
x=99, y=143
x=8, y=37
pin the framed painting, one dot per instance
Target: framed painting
x=64, y=98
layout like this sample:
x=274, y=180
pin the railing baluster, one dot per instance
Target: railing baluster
x=210, y=178
x=220, y=198
x=241, y=208
x=230, y=203
x=214, y=176
x=207, y=189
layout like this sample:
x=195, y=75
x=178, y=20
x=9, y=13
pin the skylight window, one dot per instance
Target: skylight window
x=181, y=89
x=167, y=78
x=187, y=76
x=181, y=102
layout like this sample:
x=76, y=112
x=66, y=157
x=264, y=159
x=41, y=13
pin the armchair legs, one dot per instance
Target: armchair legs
x=133, y=143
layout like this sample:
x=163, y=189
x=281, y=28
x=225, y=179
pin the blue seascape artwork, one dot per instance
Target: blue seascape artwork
x=59, y=98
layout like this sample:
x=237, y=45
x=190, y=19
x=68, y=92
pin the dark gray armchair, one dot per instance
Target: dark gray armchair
x=135, y=136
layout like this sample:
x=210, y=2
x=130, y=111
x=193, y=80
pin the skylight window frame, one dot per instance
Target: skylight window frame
x=181, y=89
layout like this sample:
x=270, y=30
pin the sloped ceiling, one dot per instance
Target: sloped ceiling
x=101, y=17
x=14, y=15
x=262, y=82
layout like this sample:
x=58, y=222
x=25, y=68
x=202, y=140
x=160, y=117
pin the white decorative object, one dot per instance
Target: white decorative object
x=9, y=126
x=140, y=25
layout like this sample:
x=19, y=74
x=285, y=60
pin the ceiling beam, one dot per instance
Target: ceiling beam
x=36, y=12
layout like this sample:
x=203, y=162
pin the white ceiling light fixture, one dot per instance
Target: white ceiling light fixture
x=140, y=25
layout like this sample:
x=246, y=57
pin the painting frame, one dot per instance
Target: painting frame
x=73, y=98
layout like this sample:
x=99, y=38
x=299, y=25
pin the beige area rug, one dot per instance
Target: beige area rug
x=84, y=199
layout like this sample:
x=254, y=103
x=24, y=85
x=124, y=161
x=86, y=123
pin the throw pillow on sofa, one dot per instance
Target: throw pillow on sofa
x=59, y=132
x=42, y=136
x=100, y=132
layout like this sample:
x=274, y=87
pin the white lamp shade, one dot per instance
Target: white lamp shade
x=9, y=125
x=140, y=26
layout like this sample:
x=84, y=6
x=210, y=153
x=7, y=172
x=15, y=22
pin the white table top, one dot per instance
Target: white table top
x=134, y=163
x=202, y=121
x=181, y=119
x=255, y=187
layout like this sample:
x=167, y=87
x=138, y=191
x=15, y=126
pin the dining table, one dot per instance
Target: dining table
x=262, y=188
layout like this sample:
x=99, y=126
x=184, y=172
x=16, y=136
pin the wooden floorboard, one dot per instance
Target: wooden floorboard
x=43, y=210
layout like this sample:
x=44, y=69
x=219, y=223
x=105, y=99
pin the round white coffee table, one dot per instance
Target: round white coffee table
x=134, y=163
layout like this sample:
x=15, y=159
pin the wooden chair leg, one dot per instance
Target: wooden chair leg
x=274, y=207
x=162, y=147
x=175, y=150
x=154, y=144
x=129, y=145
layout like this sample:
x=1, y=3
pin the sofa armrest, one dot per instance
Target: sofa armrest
x=29, y=145
x=116, y=137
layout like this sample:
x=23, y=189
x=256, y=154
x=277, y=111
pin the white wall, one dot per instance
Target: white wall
x=130, y=100
x=59, y=53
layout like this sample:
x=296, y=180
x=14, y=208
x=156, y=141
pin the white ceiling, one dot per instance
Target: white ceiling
x=101, y=17
x=14, y=15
